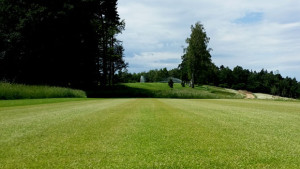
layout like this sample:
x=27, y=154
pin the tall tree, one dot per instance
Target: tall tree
x=56, y=42
x=183, y=67
x=60, y=42
x=110, y=50
x=197, y=54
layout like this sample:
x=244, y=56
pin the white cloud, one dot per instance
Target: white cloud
x=161, y=27
x=154, y=60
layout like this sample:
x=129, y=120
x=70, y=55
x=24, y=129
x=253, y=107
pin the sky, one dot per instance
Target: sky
x=254, y=34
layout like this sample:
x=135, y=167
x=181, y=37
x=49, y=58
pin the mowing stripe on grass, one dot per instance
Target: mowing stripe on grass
x=261, y=133
x=151, y=133
x=50, y=135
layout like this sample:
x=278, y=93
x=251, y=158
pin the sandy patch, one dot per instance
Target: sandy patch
x=268, y=96
x=248, y=95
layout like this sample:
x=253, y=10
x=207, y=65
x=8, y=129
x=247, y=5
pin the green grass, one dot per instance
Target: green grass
x=24, y=102
x=10, y=91
x=150, y=133
x=162, y=90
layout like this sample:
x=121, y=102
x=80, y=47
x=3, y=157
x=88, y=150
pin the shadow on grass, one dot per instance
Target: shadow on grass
x=124, y=91
x=119, y=91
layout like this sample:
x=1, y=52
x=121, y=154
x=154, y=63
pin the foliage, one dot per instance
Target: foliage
x=150, y=133
x=238, y=78
x=60, y=42
x=198, y=58
x=183, y=84
x=10, y=91
x=156, y=75
x=183, y=68
x=196, y=66
x=259, y=82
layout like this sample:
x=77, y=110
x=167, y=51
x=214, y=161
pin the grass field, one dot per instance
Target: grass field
x=149, y=133
x=162, y=90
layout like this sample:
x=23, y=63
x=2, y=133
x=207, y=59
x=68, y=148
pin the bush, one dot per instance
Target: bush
x=182, y=84
x=170, y=83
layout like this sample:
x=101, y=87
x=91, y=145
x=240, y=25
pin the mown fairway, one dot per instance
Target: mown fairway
x=149, y=133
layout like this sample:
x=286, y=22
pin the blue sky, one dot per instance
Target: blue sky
x=250, y=18
x=254, y=34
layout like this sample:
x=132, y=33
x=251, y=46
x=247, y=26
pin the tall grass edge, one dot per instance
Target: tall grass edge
x=12, y=91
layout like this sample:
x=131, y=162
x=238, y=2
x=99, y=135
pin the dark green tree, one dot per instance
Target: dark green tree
x=60, y=42
x=225, y=77
x=55, y=42
x=183, y=67
x=240, y=77
x=109, y=54
x=197, y=54
x=174, y=73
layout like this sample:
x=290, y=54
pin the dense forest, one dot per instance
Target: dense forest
x=60, y=42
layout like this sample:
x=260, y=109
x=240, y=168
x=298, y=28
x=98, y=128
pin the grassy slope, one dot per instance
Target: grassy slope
x=151, y=133
x=19, y=91
x=162, y=90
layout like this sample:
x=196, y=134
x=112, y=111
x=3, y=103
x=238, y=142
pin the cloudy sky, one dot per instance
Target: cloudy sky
x=254, y=34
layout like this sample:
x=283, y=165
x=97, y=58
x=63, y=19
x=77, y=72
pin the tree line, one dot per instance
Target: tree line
x=155, y=75
x=60, y=42
x=197, y=68
x=255, y=81
x=237, y=78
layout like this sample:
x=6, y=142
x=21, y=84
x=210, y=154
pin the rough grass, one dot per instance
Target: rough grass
x=150, y=133
x=10, y=91
x=162, y=90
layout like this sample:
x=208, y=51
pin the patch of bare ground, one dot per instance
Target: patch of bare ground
x=248, y=95
x=270, y=97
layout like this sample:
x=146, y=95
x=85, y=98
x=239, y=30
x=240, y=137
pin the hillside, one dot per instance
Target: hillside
x=9, y=91
x=131, y=90
x=162, y=90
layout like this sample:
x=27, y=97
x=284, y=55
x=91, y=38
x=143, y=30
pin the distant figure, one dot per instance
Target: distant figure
x=142, y=79
x=170, y=83
x=182, y=83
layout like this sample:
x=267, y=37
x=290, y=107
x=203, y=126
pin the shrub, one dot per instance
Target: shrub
x=182, y=84
x=170, y=83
